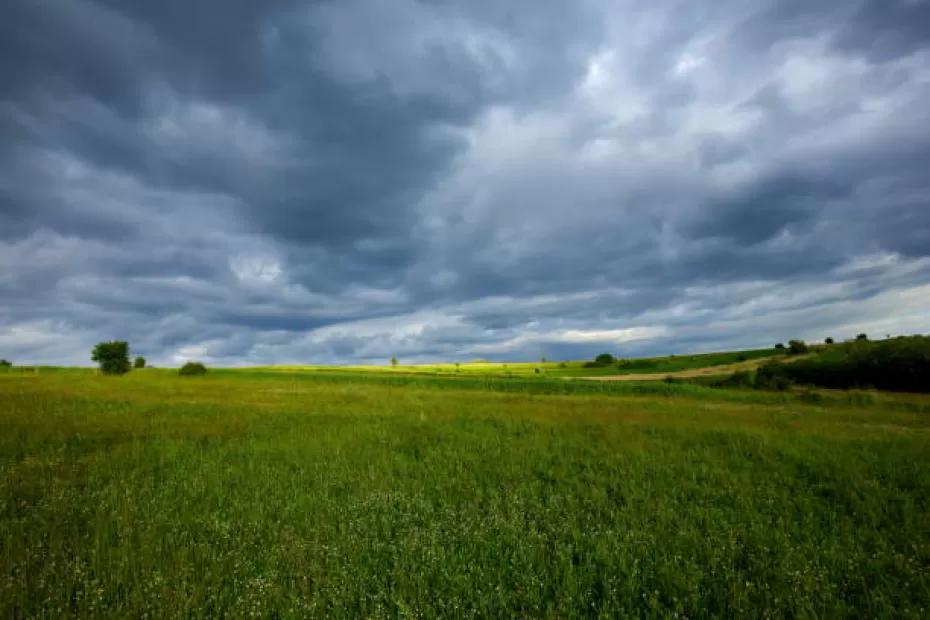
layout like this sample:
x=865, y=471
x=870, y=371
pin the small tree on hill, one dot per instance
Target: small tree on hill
x=797, y=347
x=192, y=369
x=394, y=362
x=779, y=347
x=139, y=362
x=6, y=364
x=113, y=357
x=862, y=337
x=604, y=359
x=828, y=341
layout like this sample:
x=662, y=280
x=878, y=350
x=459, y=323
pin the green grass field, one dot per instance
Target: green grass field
x=350, y=494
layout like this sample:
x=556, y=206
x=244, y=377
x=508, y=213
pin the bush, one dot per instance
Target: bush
x=797, y=347
x=113, y=357
x=862, y=337
x=192, y=369
x=779, y=347
x=771, y=376
x=604, y=359
x=739, y=379
x=6, y=364
x=828, y=341
x=139, y=362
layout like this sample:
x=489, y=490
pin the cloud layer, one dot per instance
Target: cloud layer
x=286, y=182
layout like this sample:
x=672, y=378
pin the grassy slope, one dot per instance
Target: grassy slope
x=350, y=495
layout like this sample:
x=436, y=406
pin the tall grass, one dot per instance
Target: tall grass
x=262, y=494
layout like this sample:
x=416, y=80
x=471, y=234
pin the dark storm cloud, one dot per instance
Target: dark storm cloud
x=886, y=29
x=61, y=47
x=766, y=208
x=250, y=182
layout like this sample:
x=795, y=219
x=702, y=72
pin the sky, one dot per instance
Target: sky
x=243, y=182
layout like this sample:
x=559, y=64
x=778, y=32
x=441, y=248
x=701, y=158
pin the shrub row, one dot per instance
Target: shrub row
x=901, y=364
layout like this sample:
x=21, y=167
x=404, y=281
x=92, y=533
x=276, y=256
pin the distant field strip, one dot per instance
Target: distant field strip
x=573, y=368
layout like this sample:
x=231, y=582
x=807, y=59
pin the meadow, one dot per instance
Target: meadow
x=291, y=494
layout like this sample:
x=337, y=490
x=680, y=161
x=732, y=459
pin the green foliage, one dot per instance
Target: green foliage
x=797, y=347
x=139, y=362
x=192, y=369
x=604, y=359
x=899, y=364
x=6, y=364
x=767, y=377
x=739, y=379
x=772, y=376
x=779, y=347
x=828, y=340
x=301, y=495
x=112, y=357
x=862, y=337
x=394, y=362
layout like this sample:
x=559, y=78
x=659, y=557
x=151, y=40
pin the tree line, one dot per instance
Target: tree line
x=113, y=359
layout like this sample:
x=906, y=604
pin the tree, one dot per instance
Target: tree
x=604, y=359
x=192, y=369
x=862, y=337
x=828, y=341
x=779, y=347
x=394, y=362
x=139, y=362
x=113, y=357
x=797, y=347
x=6, y=364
